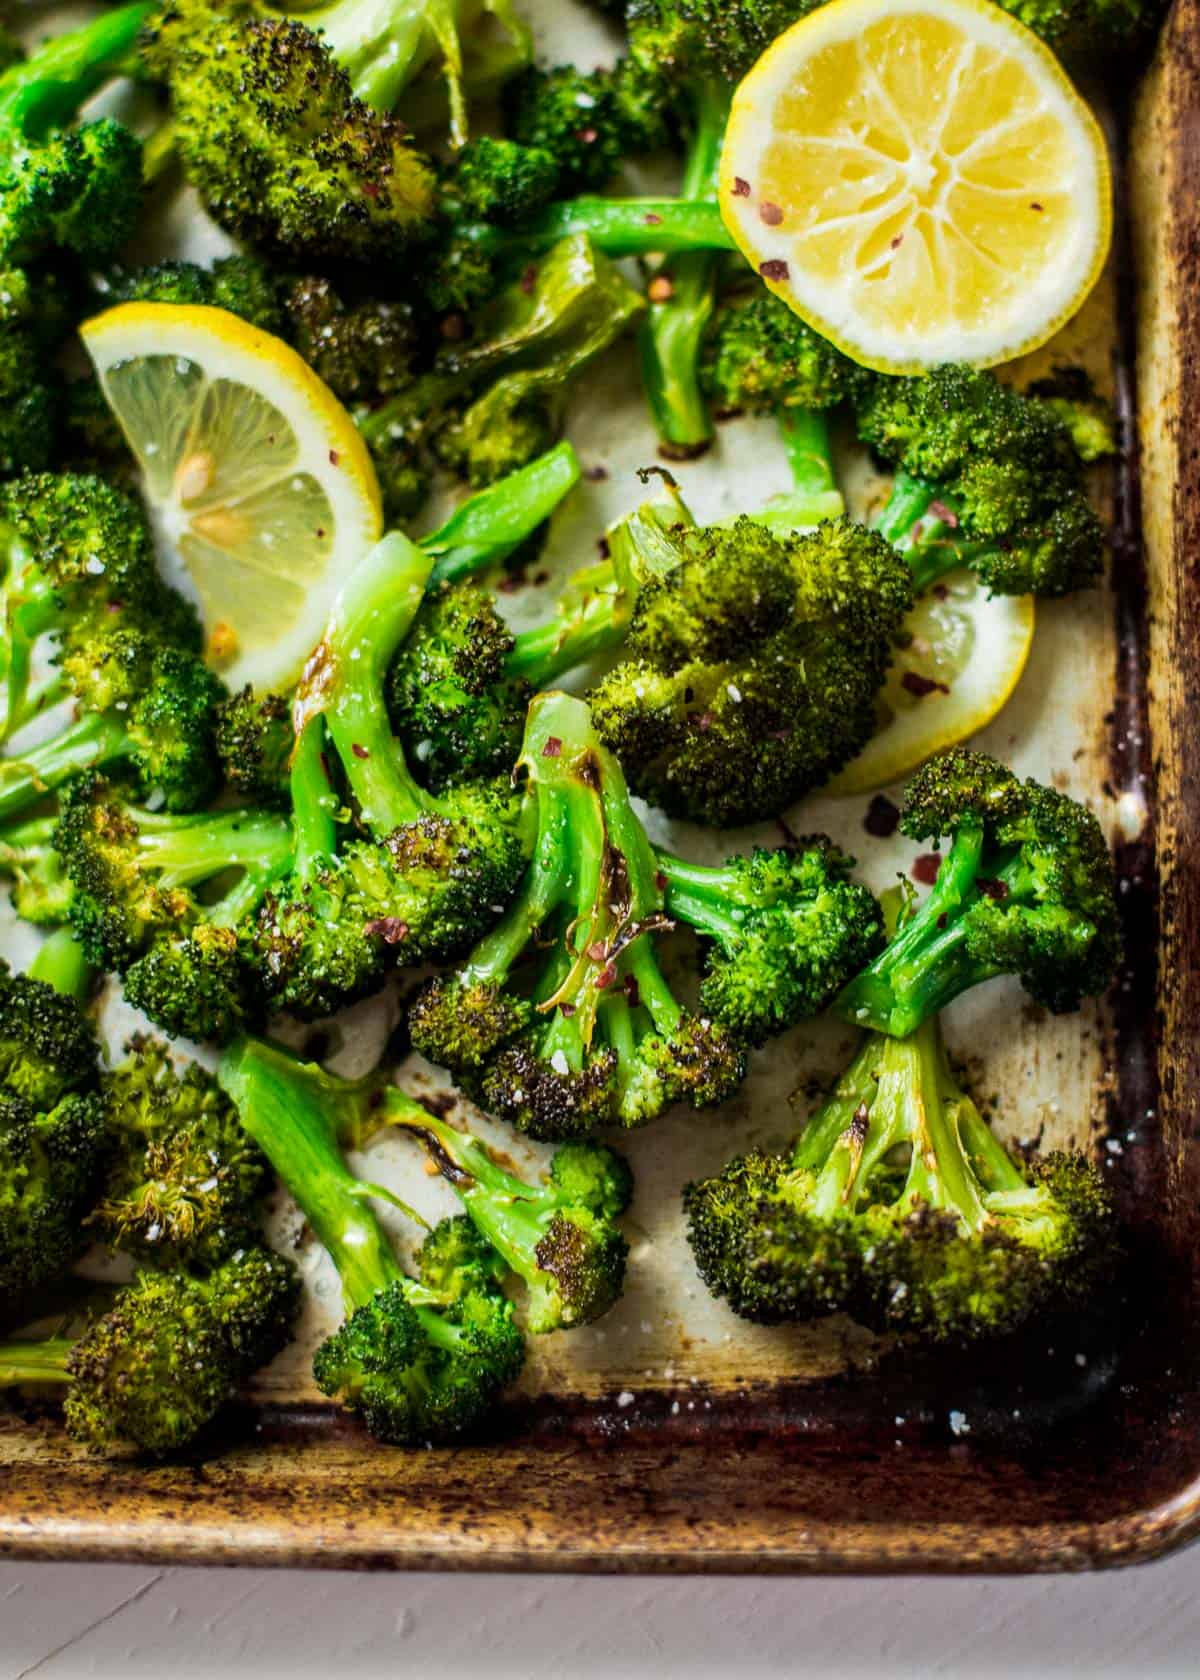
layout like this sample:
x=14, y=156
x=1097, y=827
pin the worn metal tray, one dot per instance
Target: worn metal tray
x=672, y=1437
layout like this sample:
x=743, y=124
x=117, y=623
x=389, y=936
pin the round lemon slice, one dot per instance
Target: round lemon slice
x=919, y=180
x=260, y=489
x=962, y=656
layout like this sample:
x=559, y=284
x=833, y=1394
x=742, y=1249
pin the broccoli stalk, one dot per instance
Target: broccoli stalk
x=488, y=527
x=158, y=1367
x=38, y=885
x=1026, y=887
x=592, y=1033
x=899, y=1205
x=682, y=297
x=620, y=227
x=559, y=1238
x=76, y=189
x=422, y=1359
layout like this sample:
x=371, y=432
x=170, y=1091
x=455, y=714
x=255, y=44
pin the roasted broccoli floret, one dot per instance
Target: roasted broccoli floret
x=242, y=284
x=588, y=122
x=898, y=1205
x=182, y=1181
x=591, y=1034
x=157, y=1368
x=161, y=898
x=80, y=566
x=493, y=403
x=1026, y=887
x=254, y=744
x=419, y=1358
x=33, y=321
x=52, y=1127
x=559, y=1237
x=503, y=181
x=37, y=883
x=278, y=130
x=783, y=928
x=750, y=671
x=64, y=188
x=986, y=478
x=1089, y=419
x=363, y=351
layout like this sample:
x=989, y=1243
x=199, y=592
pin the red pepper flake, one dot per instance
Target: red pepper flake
x=914, y=683
x=509, y=585
x=566, y=1009
x=1034, y=205
x=602, y=547
x=605, y=978
x=882, y=818
x=587, y=136
x=652, y=219
x=703, y=721
x=940, y=592
x=541, y=578
x=770, y=213
x=939, y=510
x=941, y=921
x=741, y=189
x=897, y=242
x=660, y=880
x=779, y=735
x=114, y=606
x=453, y=328
x=370, y=189
x=359, y=752
x=553, y=747
x=597, y=951
x=925, y=868
x=773, y=269
x=324, y=757
x=334, y=458
x=632, y=990
x=660, y=289
x=995, y=890
x=529, y=278
x=596, y=474
x=389, y=928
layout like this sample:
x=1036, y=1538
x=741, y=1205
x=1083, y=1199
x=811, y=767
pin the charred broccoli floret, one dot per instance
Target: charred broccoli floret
x=73, y=189
x=750, y=670
x=182, y=1183
x=986, y=478
x=1070, y=394
x=1026, y=887
x=588, y=122
x=156, y=1369
x=52, y=1125
x=254, y=744
x=363, y=351
x=33, y=322
x=898, y=1205
x=591, y=1034
x=80, y=567
x=419, y=1358
x=242, y=284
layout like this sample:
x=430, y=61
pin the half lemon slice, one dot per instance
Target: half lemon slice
x=260, y=489
x=919, y=180
x=963, y=655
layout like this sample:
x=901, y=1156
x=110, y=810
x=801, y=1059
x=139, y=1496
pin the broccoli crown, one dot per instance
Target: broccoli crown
x=49, y=1156
x=752, y=666
x=420, y=1358
x=1025, y=888
x=590, y=1034
x=242, y=284
x=684, y=39
x=33, y=320
x=156, y=1369
x=784, y=931
x=559, y=1238
x=254, y=744
x=501, y=180
x=588, y=122
x=1086, y=30
x=361, y=350
x=275, y=140
x=37, y=885
x=898, y=1205
x=987, y=478
x=48, y=1047
x=1071, y=396
x=760, y=356
x=183, y=1181
x=449, y=697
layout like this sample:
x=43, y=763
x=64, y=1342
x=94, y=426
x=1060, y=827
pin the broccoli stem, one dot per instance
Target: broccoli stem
x=60, y=963
x=673, y=331
x=295, y=1113
x=930, y=542
x=489, y=526
x=913, y=1081
x=45, y=90
x=314, y=804
x=346, y=679
x=183, y=851
x=927, y=965
x=90, y=741
x=699, y=896
x=620, y=227
x=35, y=1362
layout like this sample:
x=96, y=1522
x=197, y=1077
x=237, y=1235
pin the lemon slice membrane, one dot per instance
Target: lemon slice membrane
x=259, y=487
x=919, y=180
x=962, y=656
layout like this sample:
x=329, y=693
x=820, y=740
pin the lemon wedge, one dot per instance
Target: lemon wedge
x=963, y=655
x=919, y=180
x=260, y=489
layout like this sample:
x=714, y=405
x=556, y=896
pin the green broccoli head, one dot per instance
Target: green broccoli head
x=1026, y=887
x=898, y=1205
x=317, y=944
x=48, y=1047
x=761, y=357
x=588, y=122
x=737, y=728
x=502, y=181
x=254, y=744
x=183, y=1182
x=687, y=39
x=243, y=284
x=1072, y=397
x=362, y=351
x=49, y=1158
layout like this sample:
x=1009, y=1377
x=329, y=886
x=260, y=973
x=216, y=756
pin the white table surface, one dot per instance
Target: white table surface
x=63, y=1620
